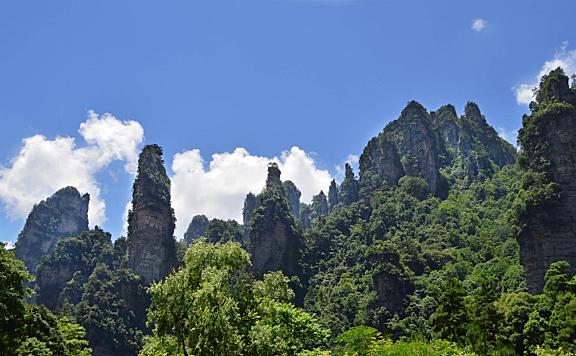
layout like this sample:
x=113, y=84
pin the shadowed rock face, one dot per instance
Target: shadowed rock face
x=420, y=144
x=275, y=239
x=408, y=146
x=349, y=189
x=247, y=211
x=549, y=135
x=63, y=214
x=293, y=195
x=151, y=246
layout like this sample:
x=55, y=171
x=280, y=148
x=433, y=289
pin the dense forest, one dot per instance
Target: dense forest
x=448, y=242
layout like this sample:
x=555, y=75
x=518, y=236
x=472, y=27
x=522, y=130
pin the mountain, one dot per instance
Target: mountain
x=436, y=146
x=276, y=239
x=151, y=250
x=546, y=207
x=432, y=250
x=65, y=213
x=196, y=228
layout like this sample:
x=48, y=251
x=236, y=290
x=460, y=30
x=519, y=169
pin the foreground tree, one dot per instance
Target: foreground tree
x=450, y=319
x=32, y=329
x=214, y=306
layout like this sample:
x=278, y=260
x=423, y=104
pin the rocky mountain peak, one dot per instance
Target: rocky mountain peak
x=275, y=240
x=293, y=195
x=546, y=207
x=151, y=246
x=273, y=179
x=350, y=188
x=554, y=87
x=197, y=228
x=332, y=195
x=472, y=112
x=413, y=110
x=421, y=144
x=65, y=213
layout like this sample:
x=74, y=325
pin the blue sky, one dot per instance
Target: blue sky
x=262, y=75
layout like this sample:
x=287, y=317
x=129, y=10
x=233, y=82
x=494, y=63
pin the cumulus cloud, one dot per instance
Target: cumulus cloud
x=43, y=165
x=219, y=190
x=9, y=245
x=478, y=25
x=563, y=58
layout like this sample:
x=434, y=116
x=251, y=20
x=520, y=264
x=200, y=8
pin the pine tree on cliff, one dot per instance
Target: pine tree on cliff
x=332, y=195
x=544, y=208
x=349, y=188
x=275, y=237
x=151, y=245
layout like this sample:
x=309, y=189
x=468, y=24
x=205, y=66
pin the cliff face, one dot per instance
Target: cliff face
x=349, y=189
x=473, y=147
x=275, y=239
x=421, y=144
x=247, y=211
x=151, y=249
x=407, y=146
x=293, y=195
x=546, y=207
x=65, y=213
x=333, y=195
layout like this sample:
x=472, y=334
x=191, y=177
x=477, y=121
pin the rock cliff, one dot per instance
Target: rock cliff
x=151, y=251
x=293, y=195
x=349, y=189
x=275, y=238
x=247, y=211
x=65, y=213
x=437, y=146
x=546, y=206
x=333, y=195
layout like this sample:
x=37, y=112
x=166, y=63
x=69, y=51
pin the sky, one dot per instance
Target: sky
x=225, y=86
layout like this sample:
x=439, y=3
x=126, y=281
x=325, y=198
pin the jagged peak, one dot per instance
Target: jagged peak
x=70, y=190
x=349, y=173
x=153, y=149
x=472, y=112
x=413, y=107
x=555, y=87
x=273, y=178
x=447, y=110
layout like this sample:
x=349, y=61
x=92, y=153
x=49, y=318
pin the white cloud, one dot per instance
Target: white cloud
x=509, y=135
x=43, y=166
x=112, y=139
x=563, y=58
x=220, y=190
x=479, y=25
x=9, y=245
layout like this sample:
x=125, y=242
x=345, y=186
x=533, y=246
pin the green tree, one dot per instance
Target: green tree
x=13, y=275
x=356, y=340
x=214, y=306
x=450, y=319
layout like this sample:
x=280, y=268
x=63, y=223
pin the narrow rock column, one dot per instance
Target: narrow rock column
x=151, y=245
